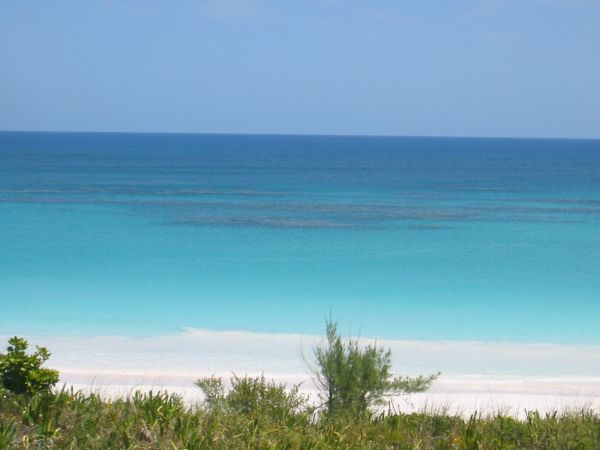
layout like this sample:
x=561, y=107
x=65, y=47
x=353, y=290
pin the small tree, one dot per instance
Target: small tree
x=22, y=373
x=352, y=378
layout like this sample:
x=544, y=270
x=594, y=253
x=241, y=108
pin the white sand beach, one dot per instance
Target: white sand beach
x=476, y=376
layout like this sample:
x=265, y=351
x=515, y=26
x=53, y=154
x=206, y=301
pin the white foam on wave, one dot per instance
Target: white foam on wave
x=488, y=376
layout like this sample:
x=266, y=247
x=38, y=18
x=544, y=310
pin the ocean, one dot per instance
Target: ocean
x=394, y=237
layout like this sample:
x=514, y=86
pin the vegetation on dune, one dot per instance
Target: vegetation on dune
x=22, y=373
x=72, y=420
x=352, y=379
x=256, y=413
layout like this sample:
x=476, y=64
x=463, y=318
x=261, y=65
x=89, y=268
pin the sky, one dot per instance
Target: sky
x=507, y=68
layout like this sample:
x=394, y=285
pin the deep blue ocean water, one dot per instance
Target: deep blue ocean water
x=413, y=238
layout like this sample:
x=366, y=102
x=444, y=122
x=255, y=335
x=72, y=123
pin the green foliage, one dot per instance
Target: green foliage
x=213, y=390
x=255, y=397
x=157, y=420
x=352, y=378
x=22, y=373
x=8, y=433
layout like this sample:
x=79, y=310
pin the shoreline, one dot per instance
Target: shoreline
x=476, y=376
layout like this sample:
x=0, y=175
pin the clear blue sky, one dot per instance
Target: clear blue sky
x=460, y=67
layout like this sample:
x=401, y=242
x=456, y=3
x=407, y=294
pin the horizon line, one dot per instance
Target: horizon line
x=358, y=135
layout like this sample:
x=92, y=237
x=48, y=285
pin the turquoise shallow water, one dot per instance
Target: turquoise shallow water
x=416, y=238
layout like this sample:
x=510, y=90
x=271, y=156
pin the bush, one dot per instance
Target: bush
x=22, y=373
x=252, y=397
x=351, y=378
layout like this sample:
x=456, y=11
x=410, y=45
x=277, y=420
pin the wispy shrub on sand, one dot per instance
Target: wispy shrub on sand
x=352, y=379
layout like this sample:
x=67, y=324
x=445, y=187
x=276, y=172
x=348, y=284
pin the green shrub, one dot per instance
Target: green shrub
x=22, y=373
x=213, y=390
x=253, y=396
x=352, y=378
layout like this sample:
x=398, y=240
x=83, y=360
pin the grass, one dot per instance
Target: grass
x=157, y=420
